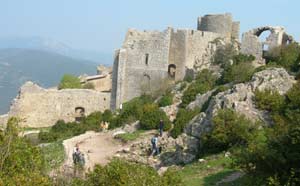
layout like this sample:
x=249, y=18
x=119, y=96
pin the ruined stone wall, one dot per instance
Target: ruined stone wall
x=251, y=44
x=38, y=107
x=177, y=54
x=235, y=33
x=200, y=49
x=102, y=84
x=142, y=61
x=218, y=23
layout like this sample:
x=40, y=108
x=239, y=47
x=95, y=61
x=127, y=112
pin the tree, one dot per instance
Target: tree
x=20, y=162
x=69, y=82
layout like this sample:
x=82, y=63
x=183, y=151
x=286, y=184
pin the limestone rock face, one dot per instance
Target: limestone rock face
x=240, y=98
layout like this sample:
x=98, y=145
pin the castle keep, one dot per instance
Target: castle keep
x=147, y=58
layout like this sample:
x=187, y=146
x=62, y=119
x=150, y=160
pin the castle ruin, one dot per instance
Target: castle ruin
x=149, y=57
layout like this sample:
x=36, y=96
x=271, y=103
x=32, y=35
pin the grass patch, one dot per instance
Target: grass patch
x=214, y=169
x=127, y=137
x=54, y=155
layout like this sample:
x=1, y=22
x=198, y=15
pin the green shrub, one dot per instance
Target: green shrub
x=119, y=173
x=133, y=110
x=62, y=130
x=166, y=100
x=286, y=56
x=229, y=130
x=182, y=118
x=269, y=100
x=204, y=82
x=238, y=73
x=20, y=161
x=151, y=117
x=69, y=81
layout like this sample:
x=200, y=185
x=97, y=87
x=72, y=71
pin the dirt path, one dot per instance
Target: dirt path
x=98, y=148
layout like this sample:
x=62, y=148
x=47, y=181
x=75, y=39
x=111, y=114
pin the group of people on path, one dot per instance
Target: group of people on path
x=78, y=157
x=155, y=150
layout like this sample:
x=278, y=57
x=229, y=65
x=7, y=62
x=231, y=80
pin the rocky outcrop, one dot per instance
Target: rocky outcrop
x=240, y=99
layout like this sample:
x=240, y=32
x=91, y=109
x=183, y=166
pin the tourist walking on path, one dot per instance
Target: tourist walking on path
x=154, y=142
x=161, y=127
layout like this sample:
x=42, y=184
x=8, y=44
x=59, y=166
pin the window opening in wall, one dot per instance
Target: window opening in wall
x=79, y=113
x=146, y=59
x=172, y=70
x=202, y=33
x=192, y=32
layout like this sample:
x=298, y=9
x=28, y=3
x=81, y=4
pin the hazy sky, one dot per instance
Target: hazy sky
x=101, y=25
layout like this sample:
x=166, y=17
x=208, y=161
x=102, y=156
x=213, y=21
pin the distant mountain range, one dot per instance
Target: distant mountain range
x=50, y=45
x=43, y=67
x=43, y=61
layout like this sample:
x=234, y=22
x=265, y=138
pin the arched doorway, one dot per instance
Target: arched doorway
x=79, y=113
x=172, y=70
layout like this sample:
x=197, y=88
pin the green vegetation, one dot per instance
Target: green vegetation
x=207, y=173
x=62, y=130
x=126, y=137
x=230, y=130
x=166, y=100
x=119, y=172
x=151, y=117
x=182, y=118
x=286, y=56
x=20, y=161
x=204, y=82
x=69, y=81
x=232, y=72
x=272, y=155
x=54, y=155
x=269, y=100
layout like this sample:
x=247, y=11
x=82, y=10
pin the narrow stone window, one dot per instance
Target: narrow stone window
x=202, y=34
x=146, y=59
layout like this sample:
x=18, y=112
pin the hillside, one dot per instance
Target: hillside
x=44, y=68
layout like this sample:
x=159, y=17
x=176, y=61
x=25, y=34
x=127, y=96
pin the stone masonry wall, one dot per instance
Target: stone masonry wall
x=38, y=107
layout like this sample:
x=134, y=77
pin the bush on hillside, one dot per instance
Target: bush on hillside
x=166, y=100
x=182, y=118
x=133, y=110
x=204, y=82
x=229, y=130
x=286, y=56
x=151, y=117
x=269, y=100
x=239, y=73
x=20, y=161
x=119, y=172
x=69, y=81
x=273, y=155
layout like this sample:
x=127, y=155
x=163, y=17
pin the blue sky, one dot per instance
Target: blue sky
x=101, y=25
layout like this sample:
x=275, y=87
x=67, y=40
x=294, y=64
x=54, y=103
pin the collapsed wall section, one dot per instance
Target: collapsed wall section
x=38, y=107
